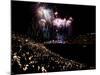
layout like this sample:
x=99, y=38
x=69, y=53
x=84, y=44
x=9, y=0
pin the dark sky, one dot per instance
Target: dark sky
x=84, y=16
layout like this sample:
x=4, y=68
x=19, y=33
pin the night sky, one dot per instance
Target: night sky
x=84, y=16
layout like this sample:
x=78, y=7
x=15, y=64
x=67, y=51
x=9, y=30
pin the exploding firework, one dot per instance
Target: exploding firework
x=58, y=22
x=45, y=13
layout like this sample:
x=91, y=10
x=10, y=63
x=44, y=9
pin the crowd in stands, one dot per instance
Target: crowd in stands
x=30, y=57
